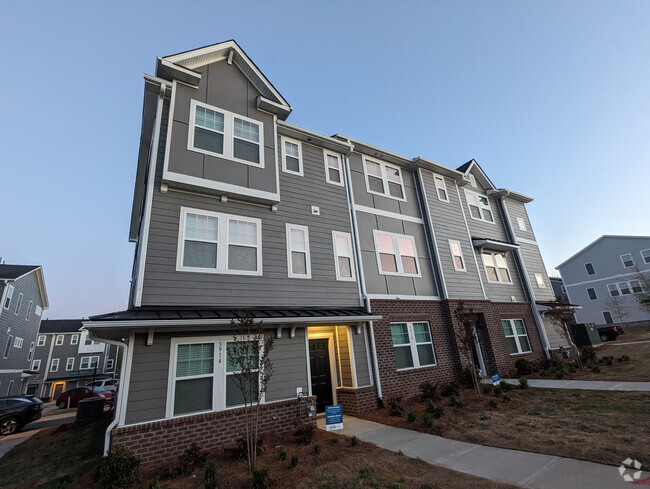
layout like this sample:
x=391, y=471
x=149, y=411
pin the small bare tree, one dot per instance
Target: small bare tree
x=248, y=358
x=643, y=297
x=561, y=313
x=617, y=305
x=466, y=340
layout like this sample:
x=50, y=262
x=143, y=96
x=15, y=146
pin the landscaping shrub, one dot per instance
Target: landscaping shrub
x=619, y=359
x=450, y=389
x=455, y=402
x=283, y=455
x=626, y=358
x=524, y=367
x=523, y=383
x=364, y=473
x=429, y=391
x=410, y=417
x=609, y=361
x=334, y=440
x=192, y=457
x=595, y=368
x=572, y=369
x=587, y=354
x=493, y=404
x=427, y=420
x=316, y=449
x=211, y=476
x=354, y=441
x=119, y=469
x=467, y=379
x=487, y=389
x=434, y=409
x=497, y=390
x=155, y=484
x=294, y=461
x=544, y=373
x=506, y=398
x=505, y=386
x=261, y=478
x=559, y=373
x=395, y=406
x=305, y=433
x=62, y=482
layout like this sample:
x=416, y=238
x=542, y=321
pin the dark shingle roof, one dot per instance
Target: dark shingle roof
x=12, y=272
x=60, y=325
x=464, y=167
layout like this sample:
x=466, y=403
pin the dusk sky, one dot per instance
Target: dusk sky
x=550, y=97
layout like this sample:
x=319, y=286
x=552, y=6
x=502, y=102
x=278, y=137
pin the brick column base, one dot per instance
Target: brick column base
x=357, y=401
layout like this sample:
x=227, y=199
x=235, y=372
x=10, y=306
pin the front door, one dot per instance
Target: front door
x=321, y=380
x=58, y=389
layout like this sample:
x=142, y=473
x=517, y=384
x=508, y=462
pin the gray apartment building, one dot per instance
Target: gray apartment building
x=66, y=357
x=24, y=298
x=355, y=258
x=604, y=277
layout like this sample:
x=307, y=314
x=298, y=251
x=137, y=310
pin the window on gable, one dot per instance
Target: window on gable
x=19, y=303
x=28, y=313
x=521, y=223
x=457, y=256
x=298, y=256
x=645, y=254
x=627, y=260
x=496, y=267
x=479, y=206
x=291, y=156
x=607, y=316
x=412, y=345
x=38, y=310
x=384, y=179
x=441, y=188
x=516, y=336
x=333, y=168
x=396, y=254
x=209, y=130
x=219, y=243
x=87, y=340
x=41, y=340
x=246, y=143
x=10, y=294
x=591, y=292
x=590, y=269
x=539, y=278
x=343, y=255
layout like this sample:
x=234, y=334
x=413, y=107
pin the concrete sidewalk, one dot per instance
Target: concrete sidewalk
x=595, y=385
x=525, y=469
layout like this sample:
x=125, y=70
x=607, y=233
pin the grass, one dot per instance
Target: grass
x=599, y=426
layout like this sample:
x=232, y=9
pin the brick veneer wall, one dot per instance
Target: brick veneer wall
x=357, y=401
x=164, y=441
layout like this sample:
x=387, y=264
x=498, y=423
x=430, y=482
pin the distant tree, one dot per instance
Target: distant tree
x=643, y=297
x=466, y=340
x=618, y=308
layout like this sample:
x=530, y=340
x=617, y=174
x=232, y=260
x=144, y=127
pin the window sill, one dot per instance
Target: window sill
x=397, y=274
x=522, y=353
x=403, y=199
x=225, y=157
x=408, y=369
x=500, y=283
x=218, y=272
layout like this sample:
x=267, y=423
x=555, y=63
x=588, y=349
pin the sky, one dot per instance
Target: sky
x=550, y=97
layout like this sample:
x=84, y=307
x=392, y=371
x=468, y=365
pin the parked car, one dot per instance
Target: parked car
x=72, y=397
x=609, y=333
x=108, y=384
x=17, y=411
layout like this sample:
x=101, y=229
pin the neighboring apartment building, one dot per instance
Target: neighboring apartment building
x=66, y=358
x=22, y=289
x=604, y=277
x=559, y=290
x=354, y=257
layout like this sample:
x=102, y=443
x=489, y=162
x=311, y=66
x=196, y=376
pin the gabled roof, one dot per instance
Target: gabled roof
x=604, y=236
x=472, y=164
x=12, y=273
x=60, y=326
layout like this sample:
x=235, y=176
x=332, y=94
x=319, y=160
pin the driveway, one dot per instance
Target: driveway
x=8, y=442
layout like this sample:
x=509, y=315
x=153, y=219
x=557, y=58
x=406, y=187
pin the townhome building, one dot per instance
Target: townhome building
x=23, y=300
x=355, y=258
x=66, y=357
x=604, y=278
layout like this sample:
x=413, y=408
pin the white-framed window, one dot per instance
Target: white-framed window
x=539, y=278
x=590, y=269
x=627, y=260
x=54, y=365
x=496, y=267
x=38, y=310
x=88, y=340
x=30, y=354
x=457, y=256
x=212, y=242
x=10, y=339
x=522, y=224
x=29, y=310
x=441, y=188
x=291, y=156
x=10, y=294
x=516, y=336
x=396, y=254
x=218, y=132
x=412, y=345
x=59, y=339
x=613, y=290
x=298, y=256
x=109, y=364
x=36, y=365
x=591, y=293
x=41, y=340
x=333, y=168
x=645, y=255
x=19, y=303
x=636, y=286
x=74, y=339
x=89, y=362
x=18, y=342
x=479, y=206
x=70, y=364
x=343, y=260
x=607, y=316
x=624, y=288
x=383, y=179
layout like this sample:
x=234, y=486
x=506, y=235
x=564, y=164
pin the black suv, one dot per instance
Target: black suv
x=17, y=411
x=609, y=333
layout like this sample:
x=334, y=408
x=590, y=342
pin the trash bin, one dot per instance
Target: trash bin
x=91, y=408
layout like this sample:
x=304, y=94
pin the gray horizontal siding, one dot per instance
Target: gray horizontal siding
x=289, y=357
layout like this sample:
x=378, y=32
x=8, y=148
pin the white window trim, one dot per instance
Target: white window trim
x=516, y=336
x=110, y=364
x=327, y=173
x=348, y=236
x=69, y=365
x=290, y=272
x=471, y=195
x=539, y=279
x=384, y=178
x=440, y=184
x=18, y=342
x=19, y=303
x=74, y=339
x=487, y=276
x=61, y=337
x=620, y=291
x=453, y=261
x=30, y=354
x=284, y=139
x=595, y=293
x=414, y=345
x=623, y=261
x=90, y=362
x=643, y=257
x=222, y=243
x=54, y=365
x=41, y=337
x=398, y=257
x=472, y=180
x=36, y=365
x=38, y=310
x=522, y=224
x=228, y=134
x=9, y=296
x=28, y=313
x=592, y=267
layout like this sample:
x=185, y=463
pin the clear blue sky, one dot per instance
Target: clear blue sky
x=550, y=97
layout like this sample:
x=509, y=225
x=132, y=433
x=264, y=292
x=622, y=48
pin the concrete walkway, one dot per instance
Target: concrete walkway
x=594, y=385
x=616, y=343
x=524, y=469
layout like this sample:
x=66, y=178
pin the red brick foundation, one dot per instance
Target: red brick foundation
x=357, y=401
x=164, y=441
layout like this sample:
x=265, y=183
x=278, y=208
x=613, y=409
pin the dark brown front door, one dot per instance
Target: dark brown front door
x=321, y=380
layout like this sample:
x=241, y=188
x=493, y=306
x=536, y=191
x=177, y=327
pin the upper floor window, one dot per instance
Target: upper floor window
x=516, y=336
x=472, y=180
x=496, y=267
x=479, y=206
x=627, y=260
x=383, y=179
x=54, y=365
x=70, y=364
x=645, y=254
x=219, y=243
x=457, y=255
x=291, y=156
x=590, y=269
x=59, y=339
x=343, y=256
x=217, y=132
x=109, y=364
x=607, y=316
x=396, y=254
x=30, y=354
x=625, y=288
x=28, y=313
x=41, y=340
x=38, y=310
x=412, y=345
x=441, y=188
x=18, y=342
x=74, y=339
x=591, y=292
x=333, y=168
x=19, y=303
x=521, y=223
x=636, y=286
x=298, y=256
x=539, y=278
x=36, y=365
x=89, y=362
x=10, y=294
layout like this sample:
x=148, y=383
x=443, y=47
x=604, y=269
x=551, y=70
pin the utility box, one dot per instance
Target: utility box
x=585, y=334
x=91, y=408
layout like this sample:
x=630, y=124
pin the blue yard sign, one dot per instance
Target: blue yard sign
x=334, y=417
x=496, y=380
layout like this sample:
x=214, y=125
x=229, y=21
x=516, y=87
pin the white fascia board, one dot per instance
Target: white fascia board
x=308, y=136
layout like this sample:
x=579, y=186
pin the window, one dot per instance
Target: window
x=60, y=337
x=343, y=256
x=18, y=342
x=516, y=336
x=563, y=289
x=645, y=254
x=627, y=260
x=87, y=340
x=383, y=179
x=521, y=223
x=10, y=294
x=19, y=303
x=234, y=396
x=74, y=339
x=41, y=340
x=441, y=188
x=89, y=362
x=70, y=365
x=607, y=316
x=412, y=345
x=479, y=206
x=31, y=351
x=624, y=288
x=539, y=278
x=333, y=168
x=298, y=258
x=636, y=286
x=591, y=292
x=36, y=365
x=457, y=256
x=220, y=133
x=29, y=310
x=590, y=269
x=396, y=254
x=219, y=243
x=10, y=339
x=613, y=290
x=291, y=156
x=496, y=267
x=54, y=366
x=38, y=310
x=109, y=364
